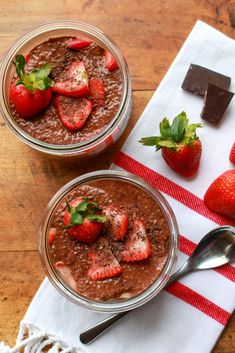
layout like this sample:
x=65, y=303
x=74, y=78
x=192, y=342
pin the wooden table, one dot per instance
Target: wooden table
x=150, y=33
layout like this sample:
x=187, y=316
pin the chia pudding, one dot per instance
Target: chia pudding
x=74, y=256
x=46, y=126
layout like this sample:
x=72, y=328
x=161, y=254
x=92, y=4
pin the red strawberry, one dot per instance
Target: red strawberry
x=83, y=220
x=66, y=274
x=73, y=112
x=137, y=246
x=220, y=196
x=232, y=154
x=102, y=263
x=181, y=148
x=51, y=235
x=73, y=82
x=27, y=58
x=118, y=221
x=97, y=90
x=76, y=43
x=30, y=93
x=110, y=61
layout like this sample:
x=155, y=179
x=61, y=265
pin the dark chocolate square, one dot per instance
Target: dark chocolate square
x=215, y=103
x=198, y=78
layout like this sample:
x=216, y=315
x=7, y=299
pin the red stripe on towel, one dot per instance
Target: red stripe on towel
x=199, y=302
x=170, y=188
x=187, y=247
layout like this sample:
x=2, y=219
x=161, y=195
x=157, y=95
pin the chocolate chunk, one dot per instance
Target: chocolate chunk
x=198, y=77
x=215, y=103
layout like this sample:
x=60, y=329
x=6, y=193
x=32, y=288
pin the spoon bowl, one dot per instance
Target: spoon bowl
x=215, y=249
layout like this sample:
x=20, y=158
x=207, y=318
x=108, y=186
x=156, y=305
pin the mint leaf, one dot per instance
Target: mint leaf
x=76, y=218
x=179, y=127
x=97, y=218
x=165, y=128
x=150, y=141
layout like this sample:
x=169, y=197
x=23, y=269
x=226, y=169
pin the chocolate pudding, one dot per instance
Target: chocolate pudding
x=46, y=126
x=136, y=276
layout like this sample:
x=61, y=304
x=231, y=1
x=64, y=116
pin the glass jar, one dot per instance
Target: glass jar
x=117, y=305
x=30, y=40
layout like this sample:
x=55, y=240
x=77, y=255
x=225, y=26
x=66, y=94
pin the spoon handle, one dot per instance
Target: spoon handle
x=96, y=330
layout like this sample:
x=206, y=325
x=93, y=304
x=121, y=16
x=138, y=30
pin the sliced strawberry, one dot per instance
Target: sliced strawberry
x=87, y=230
x=118, y=221
x=66, y=274
x=137, y=246
x=51, y=235
x=76, y=43
x=102, y=263
x=73, y=112
x=27, y=58
x=232, y=154
x=110, y=61
x=97, y=90
x=73, y=82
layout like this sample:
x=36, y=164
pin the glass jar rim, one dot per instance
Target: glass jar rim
x=118, y=305
x=89, y=30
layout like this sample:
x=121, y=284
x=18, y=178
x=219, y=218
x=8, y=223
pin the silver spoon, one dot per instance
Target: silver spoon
x=215, y=249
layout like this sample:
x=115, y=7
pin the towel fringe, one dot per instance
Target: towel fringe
x=32, y=340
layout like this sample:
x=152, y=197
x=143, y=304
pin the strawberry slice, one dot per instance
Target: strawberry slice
x=137, y=246
x=51, y=235
x=83, y=220
x=97, y=90
x=66, y=274
x=73, y=112
x=102, y=263
x=110, y=61
x=76, y=43
x=118, y=221
x=73, y=82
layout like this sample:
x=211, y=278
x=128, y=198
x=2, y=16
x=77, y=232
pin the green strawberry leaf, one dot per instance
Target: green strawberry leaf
x=76, y=218
x=37, y=79
x=82, y=206
x=19, y=64
x=68, y=206
x=179, y=127
x=97, y=218
x=165, y=128
x=167, y=143
x=150, y=141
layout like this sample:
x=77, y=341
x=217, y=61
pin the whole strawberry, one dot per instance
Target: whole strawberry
x=220, y=196
x=30, y=93
x=181, y=148
x=232, y=154
x=83, y=220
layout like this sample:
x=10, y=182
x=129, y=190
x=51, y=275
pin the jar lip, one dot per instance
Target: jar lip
x=118, y=305
x=88, y=30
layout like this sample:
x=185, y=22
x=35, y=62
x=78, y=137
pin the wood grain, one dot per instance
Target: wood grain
x=149, y=33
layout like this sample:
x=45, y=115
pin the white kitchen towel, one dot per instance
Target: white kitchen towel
x=190, y=315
